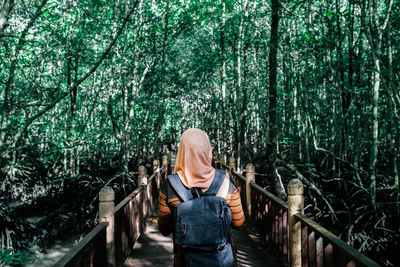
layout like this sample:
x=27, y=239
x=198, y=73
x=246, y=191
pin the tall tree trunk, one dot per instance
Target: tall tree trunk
x=241, y=88
x=223, y=74
x=272, y=113
x=242, y=127
x=392, y=130
x=350, y=70
x=359, y=71
x=162, y=85
x=344, y=93
x=375, y=38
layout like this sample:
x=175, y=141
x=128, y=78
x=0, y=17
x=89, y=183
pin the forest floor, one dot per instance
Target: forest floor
x=53, y=253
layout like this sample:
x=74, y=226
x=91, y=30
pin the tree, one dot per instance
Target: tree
x=272, y=103
x=375, y=34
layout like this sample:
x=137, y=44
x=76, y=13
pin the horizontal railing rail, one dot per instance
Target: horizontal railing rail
x=269, y=215
x=90, y=251
x=130, y=215
x=129, y=223
x=322, y=248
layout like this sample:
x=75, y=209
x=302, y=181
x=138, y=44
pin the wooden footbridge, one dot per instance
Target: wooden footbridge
x=276, y=233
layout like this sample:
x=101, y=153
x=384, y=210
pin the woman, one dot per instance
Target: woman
x=194, y=169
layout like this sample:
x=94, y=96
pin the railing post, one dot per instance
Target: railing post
x=142, y=175
x=156, y=166
x=231, y=164
x=216, y=158
x=250, y=177
x=222, y=160
x=165, y=163
x=168, y=154
x=106, y=214
x=295, y=205
x=173, y=160
x=168, y=163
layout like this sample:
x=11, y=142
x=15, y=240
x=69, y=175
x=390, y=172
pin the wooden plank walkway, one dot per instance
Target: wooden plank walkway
x=154, y=249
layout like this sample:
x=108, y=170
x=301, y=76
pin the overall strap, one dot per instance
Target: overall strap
x=216, y=183
x=184, y=193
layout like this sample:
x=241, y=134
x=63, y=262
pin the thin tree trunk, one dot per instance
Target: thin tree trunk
x=241, y=88
x=162, y=85
x=223, y=74
x=375, y=38
x=392, y=131
x=348, y=120
x=272, y=114
x=344, y=94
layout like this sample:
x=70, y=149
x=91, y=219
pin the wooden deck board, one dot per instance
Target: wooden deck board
x=154, y=249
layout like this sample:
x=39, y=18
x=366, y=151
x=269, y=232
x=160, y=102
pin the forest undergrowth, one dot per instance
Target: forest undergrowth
x=337, y=196
x=42, y=204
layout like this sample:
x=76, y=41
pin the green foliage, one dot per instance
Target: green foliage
x=14, y=258
x=332, y=14
x=307, y=37
x=158, y=79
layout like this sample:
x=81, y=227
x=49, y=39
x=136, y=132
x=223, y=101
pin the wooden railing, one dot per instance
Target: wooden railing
x=90, y=251
x=309, y=244
x=129, y=223
x=315, y=246
x=322, y=248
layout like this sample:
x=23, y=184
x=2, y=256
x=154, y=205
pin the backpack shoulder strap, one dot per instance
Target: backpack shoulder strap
x=184, y=193
x=216, y=183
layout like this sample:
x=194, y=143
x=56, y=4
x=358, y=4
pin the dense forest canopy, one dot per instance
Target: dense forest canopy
x=91, y=89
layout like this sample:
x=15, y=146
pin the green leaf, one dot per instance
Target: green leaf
x=329, y=15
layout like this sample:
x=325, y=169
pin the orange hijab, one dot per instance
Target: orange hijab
x=193, y=162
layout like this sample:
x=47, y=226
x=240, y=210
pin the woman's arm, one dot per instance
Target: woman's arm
x=235, y=203
x=165, y=221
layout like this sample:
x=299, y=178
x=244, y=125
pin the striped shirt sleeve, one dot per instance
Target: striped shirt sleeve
x=235, y=203
x=165, y=221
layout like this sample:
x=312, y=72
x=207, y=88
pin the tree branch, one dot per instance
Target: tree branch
x=14, y=58
x=107, y=51
x=12, y=36
x=387, y=15
x=333, y=155
x=117, y=131
x=309, y=185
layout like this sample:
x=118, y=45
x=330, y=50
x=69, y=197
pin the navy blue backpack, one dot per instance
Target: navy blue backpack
x=202, y=224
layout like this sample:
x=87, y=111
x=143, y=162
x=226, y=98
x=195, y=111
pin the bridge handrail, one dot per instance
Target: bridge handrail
x=328, y=238
x=138, y=189
x=270, y=215
x=92, y=246
x=130, y=215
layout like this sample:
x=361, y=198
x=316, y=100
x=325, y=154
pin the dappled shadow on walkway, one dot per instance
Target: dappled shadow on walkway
x=252, y=251
x=154, y=249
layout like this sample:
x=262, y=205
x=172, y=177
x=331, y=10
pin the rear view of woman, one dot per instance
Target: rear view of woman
x=198, y=204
